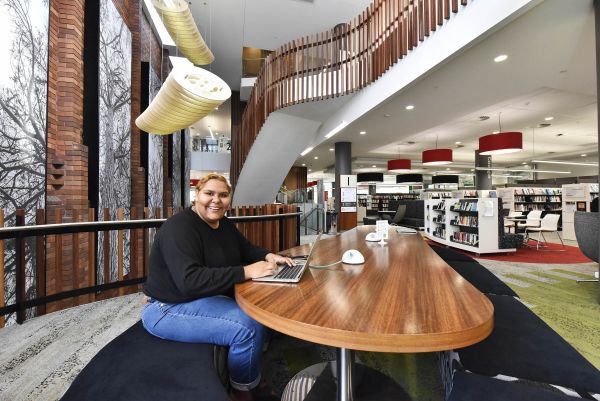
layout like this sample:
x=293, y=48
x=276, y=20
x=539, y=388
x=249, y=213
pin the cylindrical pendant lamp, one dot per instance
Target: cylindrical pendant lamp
x=501, y=143
x=398, y=165
x=180, y=24
x=444, y=179
x=435, y=157
x=369, y=177
x=409, y=179
x=188, y=94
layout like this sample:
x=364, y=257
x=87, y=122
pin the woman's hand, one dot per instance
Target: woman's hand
x=280, y=260
x=259, y=269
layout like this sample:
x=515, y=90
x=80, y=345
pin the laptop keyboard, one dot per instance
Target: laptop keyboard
x=288, y=272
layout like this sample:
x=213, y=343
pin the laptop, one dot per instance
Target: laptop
x=290, y=274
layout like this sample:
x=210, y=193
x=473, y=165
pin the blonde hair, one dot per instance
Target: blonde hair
x=212, y=176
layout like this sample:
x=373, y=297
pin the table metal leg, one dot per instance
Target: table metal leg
x=345, y=368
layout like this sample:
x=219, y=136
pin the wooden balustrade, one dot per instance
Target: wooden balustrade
x=72, y=254
x=337, y=62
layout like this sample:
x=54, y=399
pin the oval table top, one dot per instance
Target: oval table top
x=404, y=298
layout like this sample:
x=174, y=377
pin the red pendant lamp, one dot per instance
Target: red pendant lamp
x=398, y=165
x=436, y=157
x=501, y=143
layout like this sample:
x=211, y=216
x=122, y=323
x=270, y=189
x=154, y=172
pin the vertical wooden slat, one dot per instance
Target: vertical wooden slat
x=432, y=15
x=440, y=12
x=21, y=296
x=169, y=212
x=328, y=62
x=75, y=258
x=2, y=319
x=446, y=9
x=420, y=22
x=91, y=255
x=133, y=246
x=58, y=276
x=426, y=17
x=146, y=241
x=120, y=250
x=106, y=249
x=40, y=265
x=454, y=6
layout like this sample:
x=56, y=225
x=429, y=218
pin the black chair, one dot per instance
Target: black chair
x=523, y=346
x=137, y=366
x=586, y=233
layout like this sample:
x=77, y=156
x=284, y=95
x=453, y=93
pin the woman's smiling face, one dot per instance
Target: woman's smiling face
x=212, y=201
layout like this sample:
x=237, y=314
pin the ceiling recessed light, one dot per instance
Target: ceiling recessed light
x=374, y=166
x=584, y=155
x=303, y=164
x=387, y=115
x=524, y=163
x=331, y=149
x=500, y=58
x=550, y=118
x=363, y=132
x=309, y=170
x=410, y=107
x=458, y=142
x=316, y=157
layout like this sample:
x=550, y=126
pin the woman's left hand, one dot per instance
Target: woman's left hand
x=280, y=260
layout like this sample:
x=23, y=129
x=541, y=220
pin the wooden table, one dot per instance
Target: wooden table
x=404, y=298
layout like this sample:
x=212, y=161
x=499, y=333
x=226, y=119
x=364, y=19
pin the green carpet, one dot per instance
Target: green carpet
x=570, y=308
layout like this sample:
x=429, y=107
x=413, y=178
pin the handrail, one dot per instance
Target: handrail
x=337, y=62
x=19, y=233
x=97, y=226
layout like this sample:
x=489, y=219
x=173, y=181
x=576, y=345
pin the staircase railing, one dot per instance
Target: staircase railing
x=337, y=62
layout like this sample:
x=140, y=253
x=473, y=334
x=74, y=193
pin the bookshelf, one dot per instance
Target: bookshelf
x=526, y=199
x=470, y=224
x=575, y=197
x=437, y=194
x=382, y=201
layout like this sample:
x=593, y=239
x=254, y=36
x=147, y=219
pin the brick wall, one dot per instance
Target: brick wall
x=67, y=165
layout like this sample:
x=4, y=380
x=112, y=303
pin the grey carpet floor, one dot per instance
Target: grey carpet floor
x=41, y=357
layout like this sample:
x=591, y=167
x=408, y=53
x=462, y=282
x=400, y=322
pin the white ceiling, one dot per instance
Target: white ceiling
x=550, y=71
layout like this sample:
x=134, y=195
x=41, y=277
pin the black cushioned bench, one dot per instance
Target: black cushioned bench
x=472, y=271
x=471, y=387
x=521, y=346
x=138, y=366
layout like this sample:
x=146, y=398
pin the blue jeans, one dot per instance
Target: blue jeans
x=215, y=320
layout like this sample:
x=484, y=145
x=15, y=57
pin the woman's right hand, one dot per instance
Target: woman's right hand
x=259, y=269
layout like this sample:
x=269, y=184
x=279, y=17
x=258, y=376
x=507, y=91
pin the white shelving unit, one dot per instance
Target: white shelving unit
x=575, y=197
x=470, y=224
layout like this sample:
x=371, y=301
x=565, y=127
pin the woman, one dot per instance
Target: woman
x=197, y=257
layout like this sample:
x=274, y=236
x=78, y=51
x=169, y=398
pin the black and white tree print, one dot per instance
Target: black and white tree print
x=23, y=102
x=155, y=156
x=187, y=171
x=114, y=93
x=176, y=178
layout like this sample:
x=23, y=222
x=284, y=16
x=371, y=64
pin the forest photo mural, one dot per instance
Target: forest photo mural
x=176, y=179
x=23, y=103
x=155, y=155
x=114, y=91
